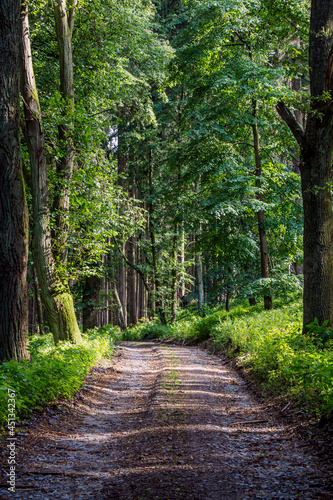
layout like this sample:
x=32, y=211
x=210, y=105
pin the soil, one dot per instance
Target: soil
x=164, y=422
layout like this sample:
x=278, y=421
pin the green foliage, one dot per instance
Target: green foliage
x=320, y=334
x=51, y=372
x=277, y=285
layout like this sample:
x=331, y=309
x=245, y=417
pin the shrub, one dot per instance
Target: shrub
x=51, y=372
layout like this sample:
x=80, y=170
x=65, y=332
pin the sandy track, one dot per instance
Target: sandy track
x=163, y=422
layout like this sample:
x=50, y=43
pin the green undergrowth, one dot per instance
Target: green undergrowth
x=52, y=371
x=267, y=343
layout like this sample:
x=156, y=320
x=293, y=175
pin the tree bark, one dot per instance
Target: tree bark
x=182, y=261
x=156, y=280
x=131, y=283
x=198, y=268
x=252, y=301
x=41, y=327
x=122, y=169
x=123, y=287
x=174, y=284
x=119, y=309
x=13, y=208
x=64, y=24
x=268, y=304
x=316, y=143
x=316, y=177
x=55, y=293
x=227, y=302
x=90, y=301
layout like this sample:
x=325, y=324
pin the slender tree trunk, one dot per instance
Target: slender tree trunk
x=199, y=269
x=64, y=24
x=122, y=168
x=268, y=304
x=13, y=208
x=174, y=284
x=139, y=290
x=55, y=292
x=90, y=299
x=131, y=283
x=199, y=273
x=119, y=308
x=157, y=299
x=38, y=302
x=227, y=302
x=123, y=286
x=182, y=261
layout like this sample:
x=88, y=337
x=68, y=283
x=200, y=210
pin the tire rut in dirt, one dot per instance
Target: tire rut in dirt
x=164, y=423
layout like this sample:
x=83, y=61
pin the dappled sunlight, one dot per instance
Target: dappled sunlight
x=167, y=417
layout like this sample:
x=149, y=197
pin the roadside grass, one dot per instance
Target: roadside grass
x=268, y=344
x=52, y=371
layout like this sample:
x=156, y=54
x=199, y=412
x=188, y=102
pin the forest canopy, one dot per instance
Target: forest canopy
x=165, y=153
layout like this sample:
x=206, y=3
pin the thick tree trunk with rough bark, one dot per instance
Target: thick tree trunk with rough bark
x=13, y=208
x=316, y=176
x=55, y=293
x=316, y=143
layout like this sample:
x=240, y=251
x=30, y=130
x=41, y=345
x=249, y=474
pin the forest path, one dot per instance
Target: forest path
x=163, y=422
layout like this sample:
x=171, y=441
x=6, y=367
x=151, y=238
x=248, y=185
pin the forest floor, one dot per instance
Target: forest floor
x=164, y=422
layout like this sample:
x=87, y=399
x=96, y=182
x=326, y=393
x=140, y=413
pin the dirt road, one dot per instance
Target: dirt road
x=163, y=422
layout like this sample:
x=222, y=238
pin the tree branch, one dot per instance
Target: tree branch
x=288, y=117
x=71, y=15
x=133, y=266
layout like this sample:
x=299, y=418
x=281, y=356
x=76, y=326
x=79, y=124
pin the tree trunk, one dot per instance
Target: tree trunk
x=316, y=144
x=41, y=327
x=55, y=293
x=268, y=304
x=119, y=309
x=131, y=283
x=252, y=301
x=157, y=298
x=182, y=261
x=174, y=284
x=64, y=24
x=13, y=208
x=316, y=176
x=227, y=302
x=123, y=287
x=198, y=268
x=90, y=301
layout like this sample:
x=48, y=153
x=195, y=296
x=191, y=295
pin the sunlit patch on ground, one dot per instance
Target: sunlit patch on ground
x=168, y=423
